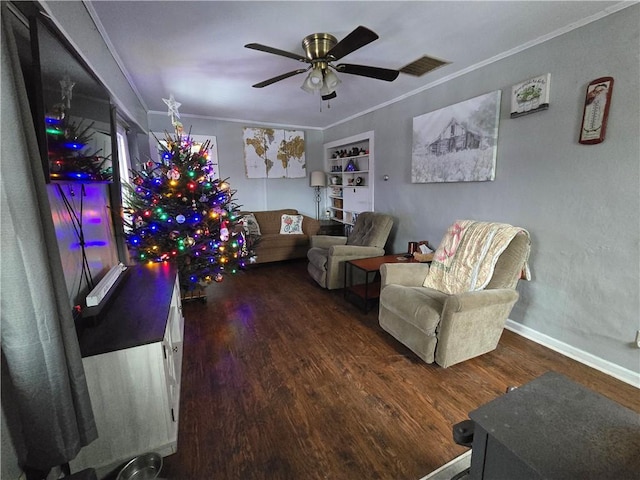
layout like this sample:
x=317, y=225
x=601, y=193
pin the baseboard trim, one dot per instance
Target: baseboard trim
x=616, y=371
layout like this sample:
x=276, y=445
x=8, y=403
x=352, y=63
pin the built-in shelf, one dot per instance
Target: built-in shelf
x=349, y=177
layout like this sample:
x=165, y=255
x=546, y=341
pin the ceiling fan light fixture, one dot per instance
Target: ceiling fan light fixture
x=307, y=86
x=331, y=80
x=325, y=90
x=328, y=90
x=315, y=78
x=314, y=81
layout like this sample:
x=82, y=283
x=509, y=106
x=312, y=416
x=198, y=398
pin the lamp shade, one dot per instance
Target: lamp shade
x=307, y=86
x=331, y=80
x=318, y=179
x=316, y=78
x=314, y=81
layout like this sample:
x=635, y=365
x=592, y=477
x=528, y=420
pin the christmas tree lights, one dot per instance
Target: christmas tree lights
x=67, y=143
x=178, y=212
x=68, y=156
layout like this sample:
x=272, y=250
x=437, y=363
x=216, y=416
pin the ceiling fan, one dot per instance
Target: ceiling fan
x=321, y=50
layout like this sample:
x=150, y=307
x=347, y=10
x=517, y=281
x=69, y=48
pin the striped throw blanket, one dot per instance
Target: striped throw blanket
x=467, y=255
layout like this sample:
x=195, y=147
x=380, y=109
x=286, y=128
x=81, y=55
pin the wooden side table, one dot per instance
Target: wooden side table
x=370, y=289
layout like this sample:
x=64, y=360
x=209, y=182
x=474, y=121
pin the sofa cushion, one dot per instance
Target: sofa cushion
x=276, y=240
x=251, y=225
x=419, y=306
x=371, y=230
x=291, y=224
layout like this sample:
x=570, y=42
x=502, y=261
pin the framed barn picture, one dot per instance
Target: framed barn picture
x=457, y=143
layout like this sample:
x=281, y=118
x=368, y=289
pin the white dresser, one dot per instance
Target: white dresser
x=132, y=355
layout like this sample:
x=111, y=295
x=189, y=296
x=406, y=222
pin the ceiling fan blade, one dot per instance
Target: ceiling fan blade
x=275, y=51
x=360, y=37
x=385, y=74
x=279, y=77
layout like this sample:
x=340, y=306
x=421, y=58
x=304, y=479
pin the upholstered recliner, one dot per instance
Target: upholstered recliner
x=328, y=253
x=445, y=327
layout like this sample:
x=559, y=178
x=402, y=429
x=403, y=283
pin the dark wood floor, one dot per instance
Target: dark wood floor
x=284, y=380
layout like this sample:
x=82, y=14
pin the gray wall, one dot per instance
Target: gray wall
x=253, y=194
x=73, y=19
x=580, y=203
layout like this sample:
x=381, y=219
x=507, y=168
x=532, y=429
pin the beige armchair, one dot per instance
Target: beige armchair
x=451, y=328
x=328, y=253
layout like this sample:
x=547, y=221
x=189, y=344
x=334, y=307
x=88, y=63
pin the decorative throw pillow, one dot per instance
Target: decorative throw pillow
x=250, y=224
x=291, y=224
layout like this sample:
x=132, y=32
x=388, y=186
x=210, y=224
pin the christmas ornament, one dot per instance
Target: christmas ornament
x=57, y=112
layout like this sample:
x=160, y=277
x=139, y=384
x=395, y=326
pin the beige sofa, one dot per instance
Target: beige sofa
x=272, y=246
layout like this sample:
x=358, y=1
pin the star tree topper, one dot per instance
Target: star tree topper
x=173, y=108
x=66, y=86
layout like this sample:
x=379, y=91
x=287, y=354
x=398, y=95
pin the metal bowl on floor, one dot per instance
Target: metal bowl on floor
x=142, y=467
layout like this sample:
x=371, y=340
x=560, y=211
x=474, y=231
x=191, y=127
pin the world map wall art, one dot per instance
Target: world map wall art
x=457, y=143
x=272, y=153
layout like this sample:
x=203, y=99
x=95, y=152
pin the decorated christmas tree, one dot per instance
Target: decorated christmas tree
x=68, y=144
x=180, y=213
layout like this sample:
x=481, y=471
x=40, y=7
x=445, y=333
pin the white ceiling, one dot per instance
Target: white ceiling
x=195, y=50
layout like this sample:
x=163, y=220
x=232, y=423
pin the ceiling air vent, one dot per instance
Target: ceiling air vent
x=423, y=65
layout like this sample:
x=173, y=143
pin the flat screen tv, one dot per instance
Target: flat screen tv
x=72, y=110
x=74, y=121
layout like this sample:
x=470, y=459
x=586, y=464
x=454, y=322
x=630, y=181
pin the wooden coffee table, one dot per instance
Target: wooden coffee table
x=370, y=289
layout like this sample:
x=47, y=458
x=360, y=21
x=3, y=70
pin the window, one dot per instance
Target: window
x=124, y=164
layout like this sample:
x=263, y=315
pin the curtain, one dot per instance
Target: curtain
x=39, y=341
